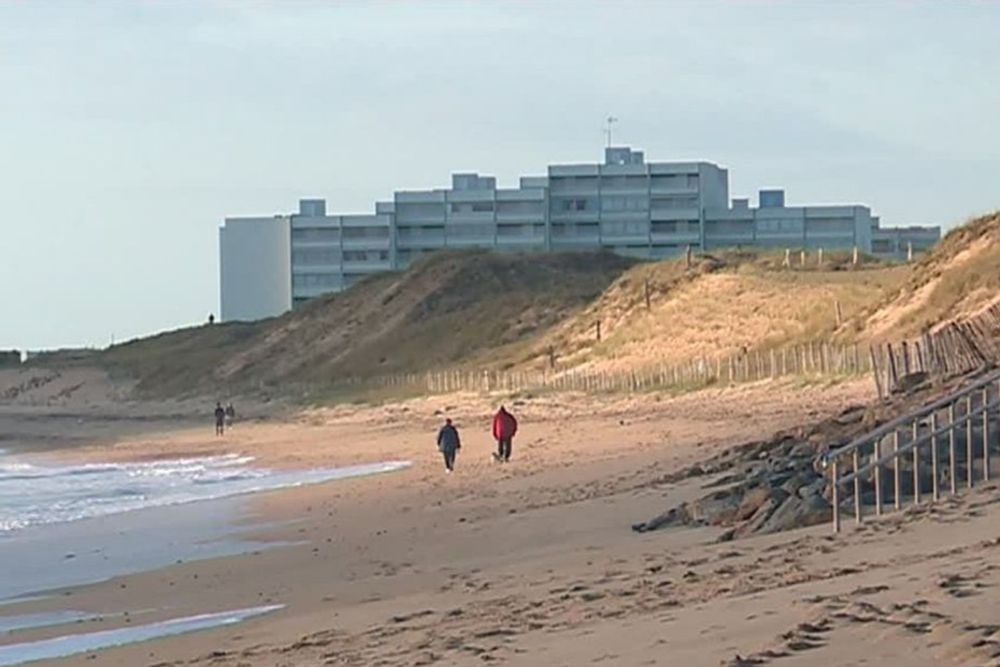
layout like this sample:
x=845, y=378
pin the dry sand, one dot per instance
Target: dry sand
x=534, y=562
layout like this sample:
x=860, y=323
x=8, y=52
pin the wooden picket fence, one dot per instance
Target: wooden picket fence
x=954, y=349
x=751, y=366
x=957, y=348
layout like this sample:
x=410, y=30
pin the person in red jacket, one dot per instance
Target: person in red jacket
x=504, y=429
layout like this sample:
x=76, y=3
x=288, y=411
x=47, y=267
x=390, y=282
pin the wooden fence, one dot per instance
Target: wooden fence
x=956, y=348
x=959, y=347
x=750, y=366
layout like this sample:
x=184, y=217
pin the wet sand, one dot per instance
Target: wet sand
x=534, y=562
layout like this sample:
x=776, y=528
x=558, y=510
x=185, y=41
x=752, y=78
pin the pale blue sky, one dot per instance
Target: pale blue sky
x=129, y=130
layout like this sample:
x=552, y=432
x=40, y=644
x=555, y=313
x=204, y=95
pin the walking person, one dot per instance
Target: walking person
x=230, y=415
x=448, y=444
x=504, y=430
x=220, y=419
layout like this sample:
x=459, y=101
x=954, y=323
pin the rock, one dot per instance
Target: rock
x=796, y=482
x=814, y=488
x=716, y=508
x=803, y=450
x=752, y=500
x=758, y=519
x=727, y=535
x=674, y=517
x=796, y=512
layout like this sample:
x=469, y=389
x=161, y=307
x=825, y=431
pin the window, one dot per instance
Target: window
x=316, y=235
x=575, y=205
x=316, y=280
x=366, y=255
x=357, y=233
x=624, y=228
x=472, y=207
x=674, y=203
x=315, y=256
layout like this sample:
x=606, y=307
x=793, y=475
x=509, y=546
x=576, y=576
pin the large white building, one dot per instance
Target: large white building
x=630, y=206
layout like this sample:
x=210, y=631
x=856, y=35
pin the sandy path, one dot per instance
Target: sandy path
x=534, y=563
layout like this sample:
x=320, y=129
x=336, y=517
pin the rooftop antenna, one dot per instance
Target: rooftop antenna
x=610, y=121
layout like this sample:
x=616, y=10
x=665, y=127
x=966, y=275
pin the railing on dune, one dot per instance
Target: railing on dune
x=946, y=443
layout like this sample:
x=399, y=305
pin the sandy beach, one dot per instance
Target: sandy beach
x=534, y=562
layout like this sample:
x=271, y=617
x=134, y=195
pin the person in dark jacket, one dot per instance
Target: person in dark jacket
x=504, y=430
x=220, y=419
x=449, y=443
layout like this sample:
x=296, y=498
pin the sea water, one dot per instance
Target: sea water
x=60, y=647
x=70, y=525
x=35, y=495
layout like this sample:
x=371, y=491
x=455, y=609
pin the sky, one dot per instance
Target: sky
x=129, y=130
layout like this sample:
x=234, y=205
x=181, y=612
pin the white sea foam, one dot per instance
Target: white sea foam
x=60, y=647
x=32, y=495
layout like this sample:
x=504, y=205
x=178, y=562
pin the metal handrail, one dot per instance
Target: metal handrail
x=915, y=422
x=890, y=426
x=926, y=438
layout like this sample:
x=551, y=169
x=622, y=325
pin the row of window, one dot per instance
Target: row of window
x=672, y=181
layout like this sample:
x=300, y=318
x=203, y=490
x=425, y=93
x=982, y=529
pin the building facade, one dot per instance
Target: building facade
x=903, y=242
x=627, y=205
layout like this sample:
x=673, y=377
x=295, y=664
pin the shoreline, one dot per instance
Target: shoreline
x=417, y=543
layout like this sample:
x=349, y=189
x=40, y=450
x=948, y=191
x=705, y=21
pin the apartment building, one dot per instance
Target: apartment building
x=901, y=242
x=625, y=204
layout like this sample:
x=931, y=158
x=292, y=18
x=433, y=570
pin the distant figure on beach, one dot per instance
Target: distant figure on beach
x=230, y=415
x=220, y=419
x=504, y=430
x=449, y=444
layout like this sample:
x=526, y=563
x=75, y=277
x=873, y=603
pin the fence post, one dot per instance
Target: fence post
x=935, y=494
x=876, y=372
x=835, y=497
x=895, y=468
x=968, y=441
x=857, y=486
x=877, y=474
x=893, y=374
x=986, y=434
x=951, y=449
x=916, y=462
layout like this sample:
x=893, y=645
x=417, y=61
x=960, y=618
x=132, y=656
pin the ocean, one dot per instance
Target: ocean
x=36, y=495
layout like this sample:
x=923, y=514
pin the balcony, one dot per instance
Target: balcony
x=625, y=239
x=366, y=243
x=410, y=219
x=675, y=238
x=575, y=216
x=573, y=190
x=522, y=217
x=673, y=214
x=667, y=190
x=470, y=241
x=525, y=240
x=418, y=197
x=576, y=240
x=421, y=241
x=367, y=266
x=470, y=216
x=313, y=243
x=469, y=196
